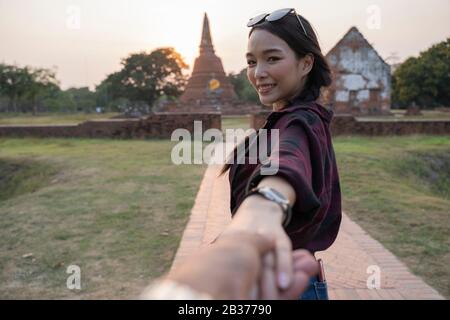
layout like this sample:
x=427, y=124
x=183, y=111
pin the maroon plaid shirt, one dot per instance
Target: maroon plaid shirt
x=307, y=161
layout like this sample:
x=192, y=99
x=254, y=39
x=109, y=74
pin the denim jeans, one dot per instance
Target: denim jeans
x=316, y=290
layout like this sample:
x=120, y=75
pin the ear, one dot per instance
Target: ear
x=306, y=64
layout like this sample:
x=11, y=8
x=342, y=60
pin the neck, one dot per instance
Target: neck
x=277, y=106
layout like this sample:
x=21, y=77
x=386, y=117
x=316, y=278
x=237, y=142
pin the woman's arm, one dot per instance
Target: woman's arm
x=281, y=185
x=264, y=216
x=293, y=179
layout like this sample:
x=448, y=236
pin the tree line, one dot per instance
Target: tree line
x=146, y=80
x=425, y=80
x=143, y=80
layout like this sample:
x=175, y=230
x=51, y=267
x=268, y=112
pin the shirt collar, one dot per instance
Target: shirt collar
x=304, y=103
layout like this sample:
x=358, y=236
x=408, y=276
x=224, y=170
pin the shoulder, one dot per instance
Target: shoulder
x=310, y=121
x=300, y=118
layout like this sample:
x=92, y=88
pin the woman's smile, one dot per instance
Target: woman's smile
x=265, y=89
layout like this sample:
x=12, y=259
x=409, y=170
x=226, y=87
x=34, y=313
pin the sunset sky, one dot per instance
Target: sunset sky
x=86, y=39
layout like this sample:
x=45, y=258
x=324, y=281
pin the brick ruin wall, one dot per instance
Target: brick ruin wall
x=161, y=125
x=349, y=125
x=361, y=79
x=231, y=108
x=158, y=125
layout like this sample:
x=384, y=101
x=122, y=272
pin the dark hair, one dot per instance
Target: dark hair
x=288, y=28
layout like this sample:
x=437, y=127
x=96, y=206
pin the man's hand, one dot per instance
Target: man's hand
x=227, y=269
x=233, y=268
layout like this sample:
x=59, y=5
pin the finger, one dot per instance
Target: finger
x=300, y=253
x=268, y=285
x=284, y=263
x=305, y=262
x=254, y=293
x=305, y=266
x=300, y=283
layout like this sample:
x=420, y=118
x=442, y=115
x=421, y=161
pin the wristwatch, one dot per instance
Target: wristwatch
x=277, y=197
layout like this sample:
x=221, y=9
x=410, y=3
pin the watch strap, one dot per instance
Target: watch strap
x=285, y=206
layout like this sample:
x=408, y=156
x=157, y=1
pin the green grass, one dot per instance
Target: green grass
x=397, y=189
x=116, y=208
x=22, y=176
x=46, y=118
x=235, y=122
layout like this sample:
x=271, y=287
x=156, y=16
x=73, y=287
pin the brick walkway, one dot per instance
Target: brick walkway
x=346, y=261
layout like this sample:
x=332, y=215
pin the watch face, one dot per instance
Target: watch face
x=274, y=195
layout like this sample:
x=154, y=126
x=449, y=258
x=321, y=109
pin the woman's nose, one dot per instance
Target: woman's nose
x=260, y=71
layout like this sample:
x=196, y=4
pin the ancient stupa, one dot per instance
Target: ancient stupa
x=208, y=84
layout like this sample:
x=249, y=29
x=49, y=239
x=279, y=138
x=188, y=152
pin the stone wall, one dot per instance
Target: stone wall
x=361, y=78
x=231, y=108
x=157, y=125
x=349, y=125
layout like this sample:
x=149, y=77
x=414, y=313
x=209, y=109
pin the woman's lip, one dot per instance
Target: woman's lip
x=266, y=90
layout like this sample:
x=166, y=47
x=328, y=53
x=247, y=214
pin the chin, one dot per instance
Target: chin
x=266, y=102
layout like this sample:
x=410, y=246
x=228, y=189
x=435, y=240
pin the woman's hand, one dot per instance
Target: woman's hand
x=265, y=217
x=233, y=268
x=228, y=269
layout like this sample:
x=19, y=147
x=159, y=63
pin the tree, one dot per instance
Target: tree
x=84, y=99
x=424, y=80
x=14, y=82
x=242, y=87
x=59, y=101
x=41, y=83
x=25, y=87
x=146, y=77
x=109, y=93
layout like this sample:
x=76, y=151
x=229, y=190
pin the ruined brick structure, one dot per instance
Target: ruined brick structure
x=208, y=89
x=208, y=83
x=361, y=78
x=156, y=125
x=349, y=125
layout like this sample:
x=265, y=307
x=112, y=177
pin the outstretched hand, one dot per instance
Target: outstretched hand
x=236, y=267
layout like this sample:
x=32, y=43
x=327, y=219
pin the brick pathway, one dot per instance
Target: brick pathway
x=346, y=261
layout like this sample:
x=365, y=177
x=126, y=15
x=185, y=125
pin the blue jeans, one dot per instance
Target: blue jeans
x=316, y=290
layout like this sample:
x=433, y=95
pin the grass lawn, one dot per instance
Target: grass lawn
x=234, y=122
x=60, y=118
x=398, y=190
x=115, y=208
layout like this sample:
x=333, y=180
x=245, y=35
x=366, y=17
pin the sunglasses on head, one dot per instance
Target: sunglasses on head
x=274, y=16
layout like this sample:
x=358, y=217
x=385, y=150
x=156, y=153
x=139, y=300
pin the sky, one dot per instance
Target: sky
x=85, y=40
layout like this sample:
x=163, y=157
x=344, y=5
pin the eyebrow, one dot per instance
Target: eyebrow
x=265, y=52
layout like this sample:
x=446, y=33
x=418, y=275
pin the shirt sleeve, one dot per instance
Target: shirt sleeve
x=294, y=165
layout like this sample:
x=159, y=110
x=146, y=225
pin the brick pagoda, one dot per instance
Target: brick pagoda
x=208, y=84
x=208, y=89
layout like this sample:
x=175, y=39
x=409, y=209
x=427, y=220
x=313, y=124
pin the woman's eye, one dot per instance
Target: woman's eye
x=250, y=62
x=273, y=58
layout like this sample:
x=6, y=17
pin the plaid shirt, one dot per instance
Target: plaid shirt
x=307, y=161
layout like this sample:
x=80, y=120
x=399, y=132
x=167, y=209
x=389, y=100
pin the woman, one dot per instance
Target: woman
x=299, y=205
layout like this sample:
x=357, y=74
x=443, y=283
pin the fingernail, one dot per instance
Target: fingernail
x=283, y=280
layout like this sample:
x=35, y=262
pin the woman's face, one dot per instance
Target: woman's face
x=273, y=68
